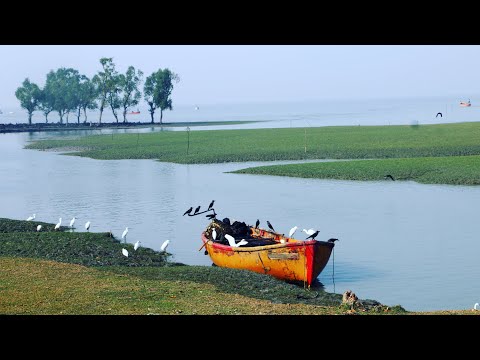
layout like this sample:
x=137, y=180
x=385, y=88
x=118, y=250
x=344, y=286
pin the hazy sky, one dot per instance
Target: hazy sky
x=245, y=73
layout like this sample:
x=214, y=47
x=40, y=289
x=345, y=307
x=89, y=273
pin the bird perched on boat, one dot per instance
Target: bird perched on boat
x=87, y=226
x=292, y=231
x=257, y=223
x=211, y=205
x=124, y=234
x=214, y=234
x=30, y=218
x=270, y=226
x=196, y=210
x=313, y=235
x=332, y=240
x=125, y=252
x=39, y=227
x=137, y=245
x=309, y=231
x=388, y=176
x=232, y=243
x=188, y=211
x=59, y=224
x=72, y=222
x=439, y=114
x=210, y=216
x=475, y=306
x=163, y=247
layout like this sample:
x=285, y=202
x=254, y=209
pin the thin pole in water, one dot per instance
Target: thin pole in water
x=333, y=270
x=305, y=140
x=188, y=138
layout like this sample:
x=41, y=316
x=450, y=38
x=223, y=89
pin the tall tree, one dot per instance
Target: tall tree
x=103, y=82
x=62, y=84
x=149, y=93
x=165, y=79
x=113, y=96
x=130, y=93
x=86, y=97
x=29, y=95
x=158, y=89
x=46, y=103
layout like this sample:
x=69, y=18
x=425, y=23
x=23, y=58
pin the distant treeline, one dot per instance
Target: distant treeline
x=67, y=91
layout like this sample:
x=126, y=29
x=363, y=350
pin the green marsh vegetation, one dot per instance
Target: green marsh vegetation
x=441, y=153
x=62, y=272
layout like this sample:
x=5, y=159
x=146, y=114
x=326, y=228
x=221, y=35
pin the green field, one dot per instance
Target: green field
x=409, y=143
x=455, y=170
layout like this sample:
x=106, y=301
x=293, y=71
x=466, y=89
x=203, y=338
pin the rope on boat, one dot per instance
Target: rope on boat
x=333, y=269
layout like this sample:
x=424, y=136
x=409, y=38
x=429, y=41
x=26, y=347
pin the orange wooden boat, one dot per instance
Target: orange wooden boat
x=284, y=258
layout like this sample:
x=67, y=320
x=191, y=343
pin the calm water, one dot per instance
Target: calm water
x=400, y=242
x=403, y=111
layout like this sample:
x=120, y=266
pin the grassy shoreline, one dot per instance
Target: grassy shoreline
x=444, y=154
x=59, y=272
x=13, y=128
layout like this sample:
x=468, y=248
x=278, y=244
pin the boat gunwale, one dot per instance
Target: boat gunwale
x=293, y=244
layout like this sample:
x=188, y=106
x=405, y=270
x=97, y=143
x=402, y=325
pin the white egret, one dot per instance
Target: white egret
x=475, y=306
x=72, y=222
x=87, y=226
x=137, y=245
x=292, y=231
x=125, y=252
x=214, y=234
x=30, y=218
x=124, y=235
x=39, y=227
x=309, y=231
x=232, y=243
x=164, y=245
x=59, y=224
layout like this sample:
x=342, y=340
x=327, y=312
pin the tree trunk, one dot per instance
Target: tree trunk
x=68, y=113
x=61, y=117
x=151, y=114
x=101, y=112
x=78, y=115
x=124, y=115
x=30, y=118
x=46, y=118
x=85, y=114
x=161, y=115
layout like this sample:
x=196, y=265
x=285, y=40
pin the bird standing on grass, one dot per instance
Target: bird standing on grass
x=388, y=176
x=125, y=252
x=39, y=227
x=59, y=224
x=211, y=205
x=270, y=226
x=124, y=234
x=72, y=222
x=475, y=306
x=30, y=218
x=87, y=226
x=137, y=244
x=164, y=245
x=313, y=235
x=196, y=210
x=188, y=211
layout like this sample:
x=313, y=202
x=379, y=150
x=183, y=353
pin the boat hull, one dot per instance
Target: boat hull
x=294, y=260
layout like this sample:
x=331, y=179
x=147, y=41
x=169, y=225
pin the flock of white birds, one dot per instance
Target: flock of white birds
x=163, y=247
